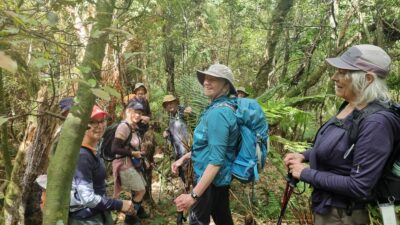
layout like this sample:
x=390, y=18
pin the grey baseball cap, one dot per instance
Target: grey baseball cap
x=218, y=70
x=368, y=58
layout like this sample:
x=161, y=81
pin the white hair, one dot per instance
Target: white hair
x=366, y=92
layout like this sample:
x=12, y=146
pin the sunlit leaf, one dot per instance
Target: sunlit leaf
x=97, y=34
x=101, y=94
x=84, y=69
x=7, y=63
x=3, y=120
x=92, y=82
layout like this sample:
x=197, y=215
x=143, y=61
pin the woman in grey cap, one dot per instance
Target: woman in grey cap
x=213, y=151
x=343, y=171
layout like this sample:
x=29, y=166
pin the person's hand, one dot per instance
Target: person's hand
x=188, y=109
x=127, y=207
x=292, y=158
x=137, y=154
x=175, y=166
x=145, y=119
x=295, y=169
x=165, y=134
x=184, y=202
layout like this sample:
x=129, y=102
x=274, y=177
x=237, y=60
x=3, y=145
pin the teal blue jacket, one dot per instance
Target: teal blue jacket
x=214, y=141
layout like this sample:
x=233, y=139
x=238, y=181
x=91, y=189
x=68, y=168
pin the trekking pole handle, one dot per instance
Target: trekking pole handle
x=291, y=180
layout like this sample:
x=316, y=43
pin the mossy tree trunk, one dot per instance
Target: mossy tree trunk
x=62, y=165
x=4, y=134
x=278, y=18
x=21, y=202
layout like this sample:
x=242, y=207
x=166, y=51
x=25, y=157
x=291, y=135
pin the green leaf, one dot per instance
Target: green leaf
x=3, y=120
x=84, y=69
x=7, y=63
x=101, y=94
x=97, y=34
x=92, y=82
x=111, y=91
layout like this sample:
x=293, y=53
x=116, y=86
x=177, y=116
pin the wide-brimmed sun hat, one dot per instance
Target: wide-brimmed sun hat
x=220, y=71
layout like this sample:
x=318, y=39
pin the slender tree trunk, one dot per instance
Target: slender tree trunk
x=169, y=54
x=278, y=17
x=4, y=133
x=62, y=165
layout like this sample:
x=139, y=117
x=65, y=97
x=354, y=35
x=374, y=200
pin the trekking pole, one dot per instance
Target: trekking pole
x=290, y=185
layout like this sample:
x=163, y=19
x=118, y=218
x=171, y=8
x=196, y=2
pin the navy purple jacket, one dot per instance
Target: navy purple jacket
x=88, y=193
x=339, y=181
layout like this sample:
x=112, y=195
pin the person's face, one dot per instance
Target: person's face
x=343, y=86
x=171, y=107
x=96, y=128
x=141, y=92
x=241, y=94
x=136, y=115
x=213, y=86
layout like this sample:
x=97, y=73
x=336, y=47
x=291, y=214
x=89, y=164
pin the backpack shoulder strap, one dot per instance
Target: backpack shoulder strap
x=359, y=115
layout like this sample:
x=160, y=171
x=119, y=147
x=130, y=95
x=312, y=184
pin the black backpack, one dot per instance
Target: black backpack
x=107, y=140
x=387, y=188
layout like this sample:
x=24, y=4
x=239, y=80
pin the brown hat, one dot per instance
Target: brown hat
x=168, y=98
x=242, y=89
x=368, y=58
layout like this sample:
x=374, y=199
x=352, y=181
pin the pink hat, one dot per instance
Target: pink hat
x=97, y=113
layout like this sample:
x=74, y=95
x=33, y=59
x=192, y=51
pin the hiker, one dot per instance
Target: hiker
x=140, y=92
x=241, y=92
x=89, y=204
x=128, y=171
x=213, y=151
x=177, y=131
x=343, y=174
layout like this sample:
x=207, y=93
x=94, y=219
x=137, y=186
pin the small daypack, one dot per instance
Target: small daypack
x=252, y=148
x=387, y=188
x=107, y=140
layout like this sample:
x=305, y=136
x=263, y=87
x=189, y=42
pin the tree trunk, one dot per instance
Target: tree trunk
x=22, y=204
x=278, y=17
x=169, y=56
x=4, y=133
x=63, y=163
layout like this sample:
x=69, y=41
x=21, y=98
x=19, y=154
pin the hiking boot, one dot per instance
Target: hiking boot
x=142, y=214
x=132, y=220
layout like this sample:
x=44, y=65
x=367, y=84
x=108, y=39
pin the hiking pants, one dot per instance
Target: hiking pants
x=338, y=216
x=214, y=202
